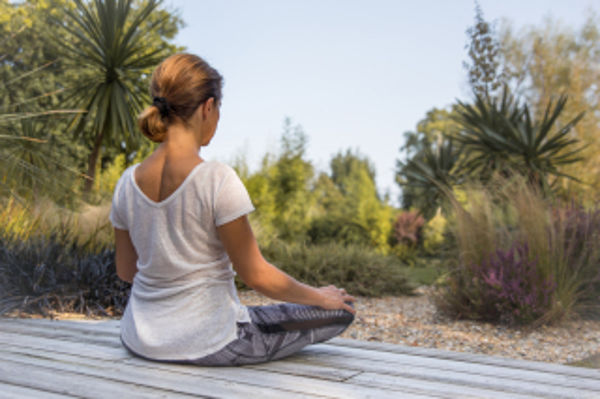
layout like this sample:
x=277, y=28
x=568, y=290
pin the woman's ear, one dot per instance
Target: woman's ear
x=207, y=107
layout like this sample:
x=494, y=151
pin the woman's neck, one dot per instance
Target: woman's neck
x=180, y=141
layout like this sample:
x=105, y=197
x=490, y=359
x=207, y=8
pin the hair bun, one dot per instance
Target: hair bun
x=151, y=124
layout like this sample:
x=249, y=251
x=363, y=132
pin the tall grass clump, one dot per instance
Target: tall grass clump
x=521, y=258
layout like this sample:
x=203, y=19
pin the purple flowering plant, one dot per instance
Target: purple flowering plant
x=511, y=287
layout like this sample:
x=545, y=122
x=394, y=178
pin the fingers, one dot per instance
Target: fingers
x=349, y=308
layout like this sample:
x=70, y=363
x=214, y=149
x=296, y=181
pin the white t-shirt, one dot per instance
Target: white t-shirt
x=183, y=303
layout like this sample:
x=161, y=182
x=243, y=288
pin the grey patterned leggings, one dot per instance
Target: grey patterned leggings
x=278, y=331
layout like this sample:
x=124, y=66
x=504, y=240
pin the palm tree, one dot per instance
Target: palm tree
x=501, y=136
x=113, y=46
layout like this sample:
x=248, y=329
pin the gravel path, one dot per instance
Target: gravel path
x=413, y=321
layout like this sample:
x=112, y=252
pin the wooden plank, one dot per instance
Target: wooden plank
x=468, y=357
x=10, y=391
x=135, y=369
x=480, y=387
x=341, y=354
x=63, y=334
x=305, y=370
x=97, y=327
x=72, y=383
x=106, y=353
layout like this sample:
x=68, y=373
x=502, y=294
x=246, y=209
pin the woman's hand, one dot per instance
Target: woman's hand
x=335, y=298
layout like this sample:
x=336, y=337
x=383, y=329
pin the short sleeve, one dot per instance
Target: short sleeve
x=116, y=208
x=232, y=199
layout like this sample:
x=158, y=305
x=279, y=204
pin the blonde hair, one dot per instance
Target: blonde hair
x=179, y=85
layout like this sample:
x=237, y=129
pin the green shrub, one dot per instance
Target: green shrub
x=434, y=233
x=338, y=229
x=359, y=270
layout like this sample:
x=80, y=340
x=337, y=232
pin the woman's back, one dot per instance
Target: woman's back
x=183, y=291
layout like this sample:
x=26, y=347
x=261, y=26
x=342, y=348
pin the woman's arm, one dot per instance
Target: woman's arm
x=257, y=273
x=125, y=256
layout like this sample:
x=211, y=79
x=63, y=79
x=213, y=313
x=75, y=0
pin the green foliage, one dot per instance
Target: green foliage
x=340, y=230
x=501, y=136
x=282, y=189
x=357, y=269
x=107, y=177
x=434, y=232
x=36, y=159
x=353, y=177
x=294, y=206
x=434, y=170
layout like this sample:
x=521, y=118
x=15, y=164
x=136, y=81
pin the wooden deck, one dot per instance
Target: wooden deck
x=42, y=358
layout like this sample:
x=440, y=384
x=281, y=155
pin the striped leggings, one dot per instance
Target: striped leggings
x=277, y=331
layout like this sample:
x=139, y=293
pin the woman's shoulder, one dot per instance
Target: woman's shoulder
x=125, y=175
x=219, y=169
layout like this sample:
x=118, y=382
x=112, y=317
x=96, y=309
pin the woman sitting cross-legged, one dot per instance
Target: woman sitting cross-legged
x=182, y=234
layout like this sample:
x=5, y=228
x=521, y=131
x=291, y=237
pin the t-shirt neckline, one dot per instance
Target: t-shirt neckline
x=172, y=195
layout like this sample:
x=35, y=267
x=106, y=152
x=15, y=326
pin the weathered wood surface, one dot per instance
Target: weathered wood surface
x=42, y=358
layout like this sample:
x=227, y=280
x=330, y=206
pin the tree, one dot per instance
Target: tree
x=485, y=69
x=113, y=45
x=359, y=211
x=430, y=161
x=282, y=189
x=548, y=59
x=35, y=158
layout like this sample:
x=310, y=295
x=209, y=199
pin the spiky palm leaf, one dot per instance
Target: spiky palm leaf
x=434, y=170
x=111, y=47
x=27, y=161
x=500, y=135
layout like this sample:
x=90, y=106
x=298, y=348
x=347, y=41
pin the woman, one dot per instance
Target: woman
x=182, y=234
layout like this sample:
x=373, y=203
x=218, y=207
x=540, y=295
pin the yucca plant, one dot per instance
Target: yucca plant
x=500, y=135
x=112, y=45
x=434, y=170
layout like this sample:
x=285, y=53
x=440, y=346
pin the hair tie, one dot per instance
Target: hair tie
x=162, y=105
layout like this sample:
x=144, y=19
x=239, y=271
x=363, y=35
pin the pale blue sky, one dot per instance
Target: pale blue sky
x=354, y=74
